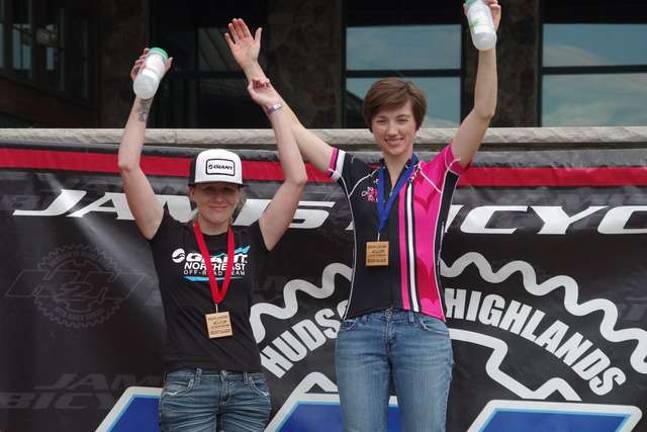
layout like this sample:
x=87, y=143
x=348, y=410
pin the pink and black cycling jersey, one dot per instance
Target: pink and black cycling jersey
x=414, y=231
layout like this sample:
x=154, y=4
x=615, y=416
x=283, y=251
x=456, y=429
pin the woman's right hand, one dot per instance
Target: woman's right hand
x=140, y=62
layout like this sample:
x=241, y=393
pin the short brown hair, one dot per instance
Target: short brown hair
x=393, y=93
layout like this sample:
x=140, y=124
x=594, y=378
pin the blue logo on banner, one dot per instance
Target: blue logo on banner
x=135, y=411
x=505, y=420
x=325, y=417
x=505, y=416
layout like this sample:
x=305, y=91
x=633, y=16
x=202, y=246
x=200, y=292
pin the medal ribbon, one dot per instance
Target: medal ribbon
x=217, y=293
x=384, y=209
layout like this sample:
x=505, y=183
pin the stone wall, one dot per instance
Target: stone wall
x=306, y=41
x=123, y=33
x=348, y=139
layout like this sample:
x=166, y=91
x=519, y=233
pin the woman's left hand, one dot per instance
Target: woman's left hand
x=495, y=8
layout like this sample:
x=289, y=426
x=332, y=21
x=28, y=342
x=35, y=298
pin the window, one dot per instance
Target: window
x=47, y=42
x=222, y=88
x=420, y=44
x=442, y=93
x=206, y=88
x=8, y=121
x=594, y=99
x=2, y=26
x=213, y=52
x=212, y=93
x=50, y=38
x=594, y=72
x=21, y=36
x=76, y=55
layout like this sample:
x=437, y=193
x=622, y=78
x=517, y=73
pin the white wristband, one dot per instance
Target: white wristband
x=275, y=107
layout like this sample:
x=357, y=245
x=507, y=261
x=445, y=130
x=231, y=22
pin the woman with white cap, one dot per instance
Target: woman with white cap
x=207, y=270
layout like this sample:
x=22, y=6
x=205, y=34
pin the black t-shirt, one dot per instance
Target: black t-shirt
x=186, y=296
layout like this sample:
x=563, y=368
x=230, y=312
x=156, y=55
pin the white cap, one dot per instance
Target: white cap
x=216, y=166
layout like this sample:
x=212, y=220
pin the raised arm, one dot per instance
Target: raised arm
x=145, y=208
x=278, y=215
x=245, y=48
x=470, y=133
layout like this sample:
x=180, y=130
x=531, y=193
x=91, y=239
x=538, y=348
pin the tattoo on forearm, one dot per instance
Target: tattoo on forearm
x=144, y=108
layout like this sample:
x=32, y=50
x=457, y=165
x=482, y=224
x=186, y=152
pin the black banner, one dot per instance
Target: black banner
x=543, y=264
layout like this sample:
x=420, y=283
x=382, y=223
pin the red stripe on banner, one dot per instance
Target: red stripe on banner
x=151, y=165
x=271, y=171
x=267, y=171
x=563, y=177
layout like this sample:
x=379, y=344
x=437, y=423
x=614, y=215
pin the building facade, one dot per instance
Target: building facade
x=65, y=63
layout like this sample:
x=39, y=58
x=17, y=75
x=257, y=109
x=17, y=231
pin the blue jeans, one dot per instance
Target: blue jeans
x=198, y=400
x=411, y=350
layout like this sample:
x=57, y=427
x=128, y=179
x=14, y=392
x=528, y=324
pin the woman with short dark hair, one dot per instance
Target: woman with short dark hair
x=394, y=327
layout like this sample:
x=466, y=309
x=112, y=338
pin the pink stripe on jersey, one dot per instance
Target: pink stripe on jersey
x=404, y=262
x=426, y=204
x=452, y=163
x=332, y=164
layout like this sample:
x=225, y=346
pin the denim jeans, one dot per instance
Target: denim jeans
x=198, y=400
x=407, y=348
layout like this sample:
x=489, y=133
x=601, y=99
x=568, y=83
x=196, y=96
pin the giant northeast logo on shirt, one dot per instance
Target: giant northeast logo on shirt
x=193, y=269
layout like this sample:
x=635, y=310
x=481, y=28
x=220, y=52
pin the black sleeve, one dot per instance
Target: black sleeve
x=258, y=253
x=347, y=170
x=163, y=229
x=256, y=240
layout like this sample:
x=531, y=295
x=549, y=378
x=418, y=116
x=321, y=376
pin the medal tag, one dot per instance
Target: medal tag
x=377, y=254
x=218, y=325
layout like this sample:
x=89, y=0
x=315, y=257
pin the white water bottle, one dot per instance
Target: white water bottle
x=149, y=76
x=479, y=18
